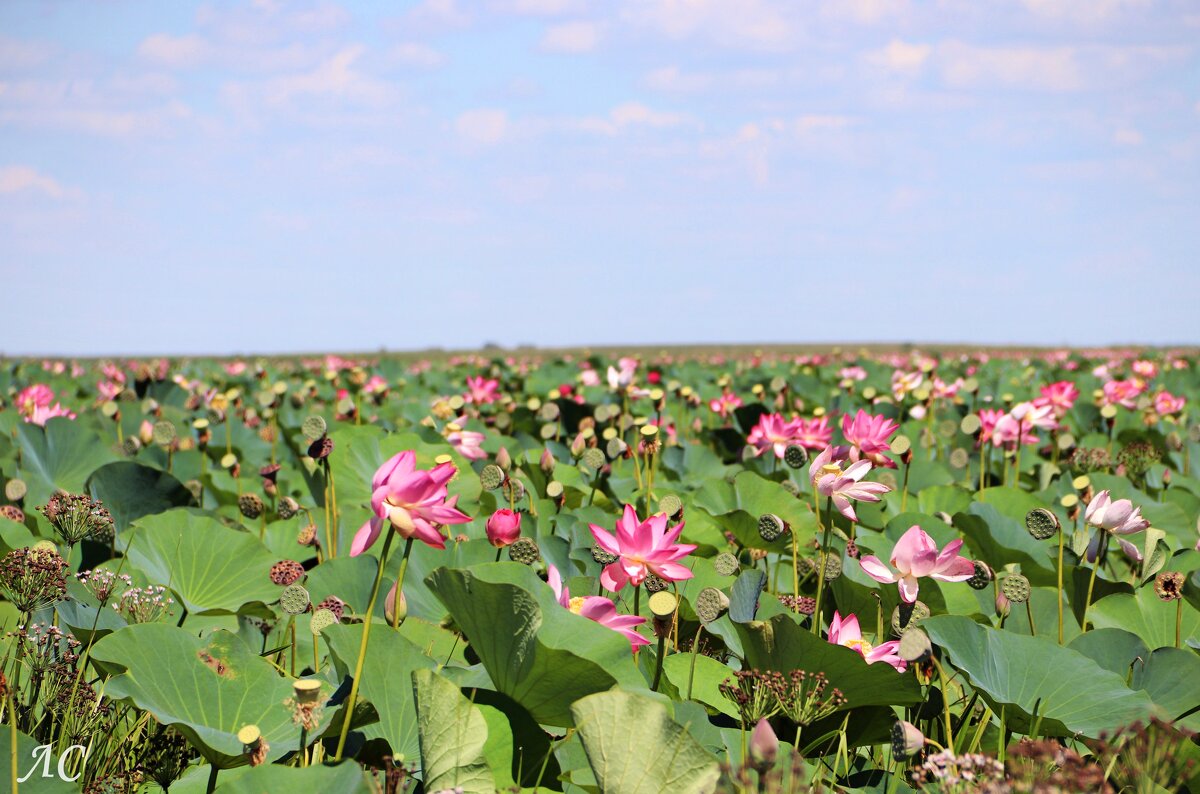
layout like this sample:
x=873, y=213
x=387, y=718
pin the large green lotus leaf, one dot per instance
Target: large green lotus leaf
x=706, y=681
x=30, y=758
x=130, y=490
x=386, y=680
x=539, y=654
x=207, y=687
x=212, y=568
x=346, y=778
x=1146, y=616
x=61, y=455
x=782, y=644
x=999, y=539
x=1171, y=676
x=747, y=498
x=1113, y=649
x=453, y=733
x=1072, y=693
x=634, y=747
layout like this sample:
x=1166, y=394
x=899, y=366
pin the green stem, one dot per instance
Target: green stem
x=362, y=648
x=945, y=700
x=400, y=583
x=816, y=627
x=212, y=778
x=658, y=666
x=1061, y=540
x=1100, y=552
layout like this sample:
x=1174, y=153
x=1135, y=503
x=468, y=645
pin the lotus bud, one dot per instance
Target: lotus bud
x=503, y=459
x=503, y=527
x=906, y=739
x=389, y=606
x=546, y=462
x=764, y=745
x=1002, y=604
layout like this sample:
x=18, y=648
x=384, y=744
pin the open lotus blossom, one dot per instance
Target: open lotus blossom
x=868, y=435
x=845, y=631
x=598, y=609
x=481, y=390
x=916, y=555
x=623, y=377
x=645, y=547
x=1117, y=518
x=904, y=383
x=775, y=433
x=1166, y=403
x=831, y=481
x=467, y=442
x=1147, y=370
x=1123, y=392
x=413, y=500
x=814, y=433
x=725, y=404
x=1060, y=396
x=988, y=418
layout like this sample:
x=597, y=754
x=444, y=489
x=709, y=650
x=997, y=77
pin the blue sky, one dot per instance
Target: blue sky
x=275, y=176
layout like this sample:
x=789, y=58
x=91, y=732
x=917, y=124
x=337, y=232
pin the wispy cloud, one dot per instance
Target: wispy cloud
x=26, y=179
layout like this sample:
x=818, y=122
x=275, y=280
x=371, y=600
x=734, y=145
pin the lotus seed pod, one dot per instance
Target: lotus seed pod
x=663, y=604
x=791, y=487
x=771, y=527
x=548, y=432
x=833, y=567
x=983, y=576
x=229, y=461
x=492, y=477
x=1168, y=585
x=1194, y=433
x=654, y=584
x=334, y=605
x=249, y=734
x=1015, y=588
x=130, y=446
x=13, y=513
x=314, y=427
x=549, y=412
x=286, y=572
x=251, y=505
x=915, y=646
x=195, y=488
x=503, y=459
x=900, y=445
x=710, y=604
x=726, y=564
x=513, y=490
x=907, y=739
x=163, y=433
x=1041, y=523
x=321, y=620
x=959, y=458
x=670, y=505
x=906, y=616
x=616, y=448
x=524, y=550
x=287, y=507
x=307, y=536
x=554, y=489
x=294, y=599
x=603, y=557
x=795, y=456
x=321, y=448
x=307, y=691
x=592, y=459
x=15, y=490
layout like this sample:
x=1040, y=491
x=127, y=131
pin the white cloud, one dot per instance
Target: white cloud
x=734, y=23
x=867, y=12
x=900, y=56
x=482, y=126
x=1127, y=136
x=538, y=7
x=572, y=37
x=1048, y=68
x=821, y=123
x=413, y=53
x=20, y=178
x=1082, y=12
x=336, y=77
x=173, y=51
x=441, y=13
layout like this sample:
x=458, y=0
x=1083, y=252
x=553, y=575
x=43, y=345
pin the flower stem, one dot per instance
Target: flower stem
x=658, y=667
x=1100, y=552
x=816, y=627
x=1178, y=620
x=1060, y=586
x=362, y=648
x=945, y=700
x=400, y=583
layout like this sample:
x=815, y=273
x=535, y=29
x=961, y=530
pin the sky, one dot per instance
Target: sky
x=271, y=176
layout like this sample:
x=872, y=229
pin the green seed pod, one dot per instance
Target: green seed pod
x=603, y=557
x=1015, y=588
x=982, y=578
x=771, y=527
x=1041, y=523
x=492, y=477
x=615, y=448
x=294, y=599
x=726, y=564
x=670, y=505
x=321, y=620
x=710, y=604
x=195, y=488
x=914, y=646
x=959, y=458
x=592, y=459
x=163, y=433
x=795, y=456
x=130, y=446
x=791, y=487
x=251, y=505
x=287, y=507
x=906, y=616
x=548, y=432
x=662, y=604
x=513, y=490
x=314, y=427
x=549, y=412
x=15, y=490
x=524, y=550
x=654, y=584
x=554, y=489
x=907, y=739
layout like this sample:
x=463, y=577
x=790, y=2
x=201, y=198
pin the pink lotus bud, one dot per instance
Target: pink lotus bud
x=1002, y=603
x=578, y=444
x=389, y=605
x=503, y=459
x=764, y=745
x=547, y=462
x=503, y=528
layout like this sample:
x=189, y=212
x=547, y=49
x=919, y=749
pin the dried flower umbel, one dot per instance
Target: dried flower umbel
x=101, y=583
x=804, y=699
x=33, y=577
x=965, y=774
x=144, y=604
x=755, y=694
x=77, y=517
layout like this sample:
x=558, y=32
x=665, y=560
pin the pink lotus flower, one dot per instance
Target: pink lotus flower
x=1166, y=404
x=234, y=368
x=643, y=547
x=988, y=418
x=814, y=433
x=622, y=378
x=376, y=384
x=775, y=433
x=40, y=415
x=845, y=631
x=598, y=609
x=468, y=442
x=852, y=373
x=946, y=391
x=503, y=527
x=869, y=437
x=108, y=390
x=481, y=390
x=831, y=481
x=1144, y=369
x=1123, y=392
x=39, y=395
x=916, y=555
x=725, y=404
x=589, y=377
x=412, y=500
x=1117, y=518
x=1060, y=396
x=904, y=383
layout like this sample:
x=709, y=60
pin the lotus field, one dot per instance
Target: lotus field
x=678, y=571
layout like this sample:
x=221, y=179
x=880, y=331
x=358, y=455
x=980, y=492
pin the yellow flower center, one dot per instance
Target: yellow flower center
x=862, y=646
x=575, y=604
x=831, y=468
